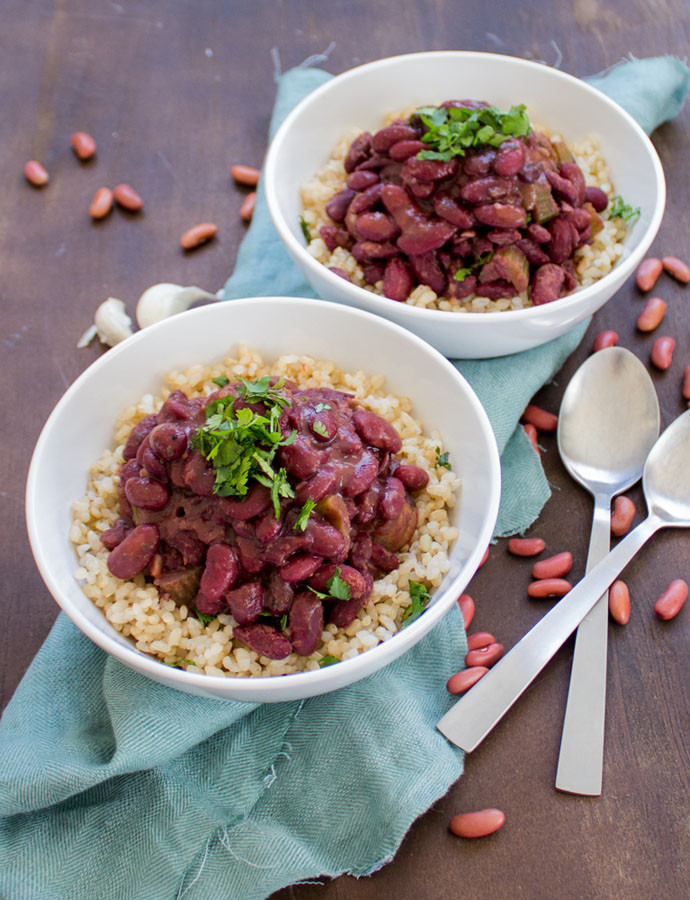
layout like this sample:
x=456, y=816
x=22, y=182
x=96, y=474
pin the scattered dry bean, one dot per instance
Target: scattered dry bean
x=197, y=235
x=619, y=602
x=662, y=352
x=554, y=567
x=622, y=516
x=479, y=639
x=605, y=339
x=676, y=267
x=463, y=681
x=647, y=273
x=540, y=418
x=686, y=382
x=126, y=197
x=484, y=558
x=466, y=604
x=671, y=601
x=247, y=208
x=549, y=587
x=486, y=656
x=245, y=175
x=651, y=315
x=526, y=546
x=83, y=145
x=35, y=173
x=531, y=433
x=101, y=204
x=477, y=824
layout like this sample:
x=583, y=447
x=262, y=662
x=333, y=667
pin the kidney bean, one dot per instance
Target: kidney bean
x=597, y=198
x=647, y=273
x=562, y=240
x=549, y=587
x=168, y=440
x=531, y=433
x=605, y=339
x=538, y=233
x=662, y=352
x=547, y=282
x=358, y=151
x=189, y=545
x=246, y=602
x=358, y=584
x=413, y=477
x=376, y=431
x=364, y=473
x=256, y=501
x=35, y=173
x=554, y=567
x=652, y=314
x=448, y=208
x=466, y=604
x=403, y=150
x=619, y=602
x=486, y=656
x=367, y=503
x=477, y=824
x=479, y=639
x=101, y=204
x=392, y=134
x=686, y=383
x=267, y=527
x=155, y=467
x=137, y=435
x=501, y=215
x=134, y=552
x=278, y=595
x=116, y=533
x=428, y=270
x=365, y=251
x=305, y=623
x=504, y=237
x=359, y=181
x=205, y=605
x=677, y=268
x=337, y=206
x=484, y=558
x=344, y=612
x=535, y=254
x=376, y=226
x=360, y=550
x=83, y=145
x=146, y=494
x=463, y=681
x=341, y=273
x=198, y=475
x=562, y=187
x=671, y=601
x=486, y=190
x=540, y=418
x=317, y=487
x=396, y=533
x=328, y=541
x=397, y=280
x=126, y=197
x=374, y=163
x=221, y=571
x=462, y=289
x=573, y=173
x=622, y=516
x=264, y=640
x=495, y=289
x=374, y=272
x=430, y=169
x=245, y=175
x=300, y=458
x=197, y=235
x=301, y=567
x=419, y=233
x=391, y=503
x=479, y=163
x=532, y=546
x=383, y=558
x=247, y=208
x=510, y=158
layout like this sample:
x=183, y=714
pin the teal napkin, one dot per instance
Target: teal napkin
x=117, y=788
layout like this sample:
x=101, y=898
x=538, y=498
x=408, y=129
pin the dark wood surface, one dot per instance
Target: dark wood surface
x=175, y=93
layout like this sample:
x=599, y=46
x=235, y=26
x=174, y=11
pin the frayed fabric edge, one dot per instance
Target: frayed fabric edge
x=312, y=60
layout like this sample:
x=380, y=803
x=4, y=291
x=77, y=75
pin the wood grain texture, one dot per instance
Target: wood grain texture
x=174, y=94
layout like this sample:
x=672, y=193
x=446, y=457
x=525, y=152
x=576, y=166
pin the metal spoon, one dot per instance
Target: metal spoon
x=608, y=422
x=666, y=483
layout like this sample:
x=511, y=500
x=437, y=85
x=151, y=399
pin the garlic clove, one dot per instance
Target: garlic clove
x=112, y=322
x=163, y=300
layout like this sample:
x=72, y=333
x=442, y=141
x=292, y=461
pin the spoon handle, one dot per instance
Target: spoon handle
x=472, y=718
x=581, y=757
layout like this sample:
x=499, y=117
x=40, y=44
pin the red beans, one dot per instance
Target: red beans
x=247, y=208
x=305, y=623
x=622, y=516
x=126, y=197
x=463, y=681
x=221, y=571
x=466, y=604
x=619, y=602
x=597, y=198
x=246, y=603
x=662, y=352
x=553, y=567
x=671, y=601
x=146, y=494
x=484, y=558
x=605, y=339
x=486, y=656
x=413, y=477
x=652, y=314
x=264, y=639
x=479, y=639
x=477, y=824
x=300, y=567
x=101, y=204
x=135, y=552
x=526, y=546
x=83, y=145
x=677, y=268
x=168, y=440
x=245, y=175
x=35, y=173
x=377, y=431
x=531, y=433
x=540, y=418
x=548, y=587
x=198, y=234
x=647, y=273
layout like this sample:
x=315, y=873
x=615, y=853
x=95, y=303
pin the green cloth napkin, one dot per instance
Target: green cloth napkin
x=116, y=788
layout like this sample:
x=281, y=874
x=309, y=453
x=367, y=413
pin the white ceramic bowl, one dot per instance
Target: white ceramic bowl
x=80, y=428
x=360, y=98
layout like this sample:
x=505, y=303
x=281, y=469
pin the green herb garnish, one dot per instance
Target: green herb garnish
x=319, y=594
x=461, y=274
x=337, y=587
x=176, y=665
x=283, y=622
x=452, y=131
x=442, y=459
x=203, y=618
x=420, y=596
x=305, y=229
x=320, y=428
x=221, y=381
x=327, y=661
x=321, y=406
x=621, y=210
x=304, y=513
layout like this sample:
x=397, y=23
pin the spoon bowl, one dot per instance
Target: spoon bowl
x=666, y=477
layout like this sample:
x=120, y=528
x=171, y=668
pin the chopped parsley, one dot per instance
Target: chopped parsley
x=327, y=661
x=442, y=459
x=305, y=229
x=283, y=622
x=321, y=406
x=203, y=618
x=320, y=428
x=336, y=586
x=221, y=381
x=304, y=513
x=419, y=594
x=242, y=444
x=461, y=274
x=619, y=209
x=176, y=665
x=451, y=131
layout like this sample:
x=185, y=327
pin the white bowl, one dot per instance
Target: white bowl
x=80, y=428
x=565, y=105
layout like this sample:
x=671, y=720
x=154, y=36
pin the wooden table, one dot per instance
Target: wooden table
x=175, y=93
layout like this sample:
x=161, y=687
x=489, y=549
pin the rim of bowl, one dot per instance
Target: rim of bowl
x=129, y=655
x=381, y=304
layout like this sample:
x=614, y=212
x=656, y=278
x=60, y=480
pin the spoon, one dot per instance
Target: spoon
x=608, y=422
x=666, y=484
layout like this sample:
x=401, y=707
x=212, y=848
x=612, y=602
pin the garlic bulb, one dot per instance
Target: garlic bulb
x=163, y=300
x=111, y=324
